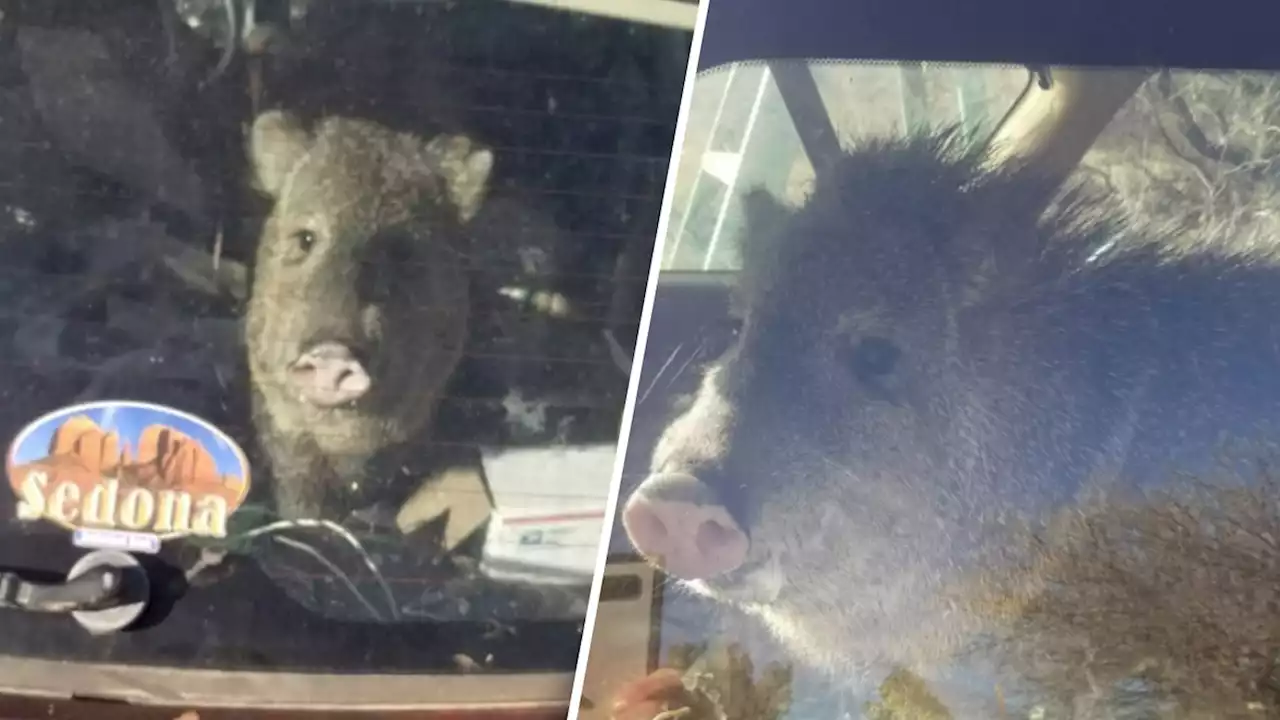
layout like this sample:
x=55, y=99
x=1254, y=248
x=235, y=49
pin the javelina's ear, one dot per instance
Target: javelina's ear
x=467, y=169
x=762, y=213
x=276, y=143
x=762, y=210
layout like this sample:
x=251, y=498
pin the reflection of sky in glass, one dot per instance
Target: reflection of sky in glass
x=815, y=694
x=129, y=421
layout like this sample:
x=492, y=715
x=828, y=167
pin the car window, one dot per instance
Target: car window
x=322, y=312
x=881, y=465
x=741, y=134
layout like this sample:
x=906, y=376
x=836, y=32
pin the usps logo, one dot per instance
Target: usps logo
x=544, y=537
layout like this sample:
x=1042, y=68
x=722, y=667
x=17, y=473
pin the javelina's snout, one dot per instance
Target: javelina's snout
x=677, y=522
x=329, y=375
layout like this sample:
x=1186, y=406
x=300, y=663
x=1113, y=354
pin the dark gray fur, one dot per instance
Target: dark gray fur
x=389, y=211
x=888, y=512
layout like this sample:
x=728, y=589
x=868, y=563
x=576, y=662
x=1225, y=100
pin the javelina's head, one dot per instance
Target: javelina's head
x=893, y=385
x=359, y=309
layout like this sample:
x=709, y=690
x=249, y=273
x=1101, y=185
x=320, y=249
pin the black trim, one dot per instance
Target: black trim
x=803, y=100
x=1233, y=34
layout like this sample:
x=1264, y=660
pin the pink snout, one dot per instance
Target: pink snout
x=674, y=521
x=329, y=375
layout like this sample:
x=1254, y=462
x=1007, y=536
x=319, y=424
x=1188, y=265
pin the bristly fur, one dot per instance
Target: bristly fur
x=1041, y=357
x=1066, y=229
x=378, y=202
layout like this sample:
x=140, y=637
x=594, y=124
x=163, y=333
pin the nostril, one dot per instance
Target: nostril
x=714, y=539
x=329, y=375
x=674, y=522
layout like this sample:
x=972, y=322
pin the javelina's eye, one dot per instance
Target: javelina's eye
x=304, y=240
x=874, y=357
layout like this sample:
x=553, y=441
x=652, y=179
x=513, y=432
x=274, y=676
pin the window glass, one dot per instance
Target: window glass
x=741, y=134
x=968, y=414
x=324, y=310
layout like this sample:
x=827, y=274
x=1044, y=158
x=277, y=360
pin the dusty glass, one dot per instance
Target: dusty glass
x=322, y=313
x=957, y=397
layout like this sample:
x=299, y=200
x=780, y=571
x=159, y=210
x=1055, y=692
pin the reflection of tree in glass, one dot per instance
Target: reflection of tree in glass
x=1167, y=604
x=906, y=696
x=720, y=683
x=683, y=656
x=726, y=676
x=1197, y=151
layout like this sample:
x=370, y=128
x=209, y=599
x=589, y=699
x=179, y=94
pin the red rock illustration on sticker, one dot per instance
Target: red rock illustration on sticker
x=128, y=466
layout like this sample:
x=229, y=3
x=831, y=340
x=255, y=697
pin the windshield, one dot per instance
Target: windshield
x=744, y=134
x=921, y=434
x=323, y=312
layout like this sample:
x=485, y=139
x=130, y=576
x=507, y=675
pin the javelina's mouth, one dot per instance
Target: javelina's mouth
x=759, y=581
x=329, y=374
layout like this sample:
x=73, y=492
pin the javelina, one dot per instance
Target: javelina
x=930, y=364
x=359, y=306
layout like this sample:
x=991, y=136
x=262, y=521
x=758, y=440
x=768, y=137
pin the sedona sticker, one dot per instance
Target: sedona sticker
x=127, y=466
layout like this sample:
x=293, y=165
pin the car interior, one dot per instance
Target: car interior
x=239, y=637
x=1052, y=125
